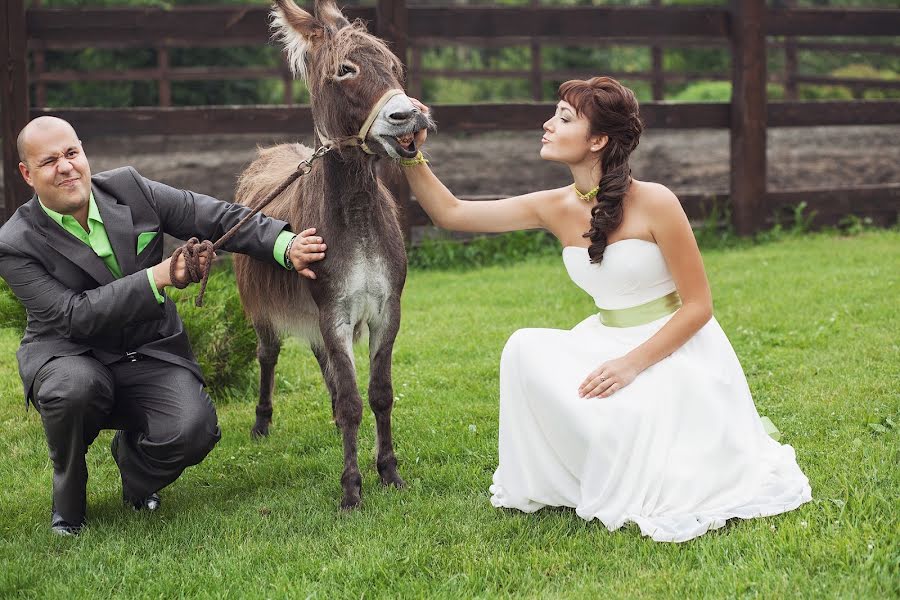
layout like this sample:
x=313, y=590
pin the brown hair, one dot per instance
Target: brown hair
x=612, y=110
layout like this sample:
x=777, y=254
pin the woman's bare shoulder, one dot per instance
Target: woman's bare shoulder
x=556, y=194
x=548, y=202
x=654, y=198
x=650, y=192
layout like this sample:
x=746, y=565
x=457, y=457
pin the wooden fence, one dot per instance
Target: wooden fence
x=747, y=27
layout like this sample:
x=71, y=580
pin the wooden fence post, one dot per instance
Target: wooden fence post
x=658, y=85
x=414, y=73
x=748, y=115
x=537, y=88
x=392, y=25
x=39, y=64
x=790, y=61
x=13, y=100
x=165, y=85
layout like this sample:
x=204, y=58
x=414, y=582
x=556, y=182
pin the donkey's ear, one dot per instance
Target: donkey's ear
x=330, y=14
x=297, y=30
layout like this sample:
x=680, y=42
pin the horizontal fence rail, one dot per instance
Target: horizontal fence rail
x=747, y=29
x=471, y=118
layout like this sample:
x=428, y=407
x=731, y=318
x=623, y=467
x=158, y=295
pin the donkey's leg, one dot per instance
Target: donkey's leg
x=322, y=359
x=337, y=332
x=382, y=333
x=267, y=349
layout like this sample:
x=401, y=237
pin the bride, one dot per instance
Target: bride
x=640, y=413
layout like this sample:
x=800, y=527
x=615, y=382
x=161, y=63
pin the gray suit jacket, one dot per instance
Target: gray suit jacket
x=76, y=306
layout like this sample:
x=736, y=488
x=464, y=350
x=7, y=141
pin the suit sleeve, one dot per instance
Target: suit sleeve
x=78, y=316
x=185, y=214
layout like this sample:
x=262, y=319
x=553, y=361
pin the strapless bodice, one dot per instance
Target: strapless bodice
x=632, y=272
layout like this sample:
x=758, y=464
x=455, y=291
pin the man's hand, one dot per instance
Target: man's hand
x=161, y=276
x=306, y=249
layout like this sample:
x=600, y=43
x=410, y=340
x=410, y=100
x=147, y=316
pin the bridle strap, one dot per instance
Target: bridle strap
x=360, y=138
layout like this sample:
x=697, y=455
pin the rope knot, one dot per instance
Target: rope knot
x=194, y=270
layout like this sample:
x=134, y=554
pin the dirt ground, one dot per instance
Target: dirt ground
x=508, y=162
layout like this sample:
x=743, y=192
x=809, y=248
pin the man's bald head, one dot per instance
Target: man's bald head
x=54, y=164
x=38, y=125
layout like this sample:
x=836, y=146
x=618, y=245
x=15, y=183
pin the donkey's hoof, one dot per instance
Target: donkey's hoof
x=350, y=502
x=259, y=431
x=393, y=479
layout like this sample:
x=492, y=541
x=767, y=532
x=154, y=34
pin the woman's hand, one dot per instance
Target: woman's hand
x=422, y=134
x=608, y=378
x=306, y=249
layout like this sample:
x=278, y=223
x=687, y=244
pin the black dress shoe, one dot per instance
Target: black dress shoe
x=151, y=503
x=60, y=526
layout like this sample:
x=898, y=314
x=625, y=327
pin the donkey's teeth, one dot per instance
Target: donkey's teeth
x=405, y=140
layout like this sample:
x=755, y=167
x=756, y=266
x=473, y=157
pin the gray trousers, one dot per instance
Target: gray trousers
x=165, y=417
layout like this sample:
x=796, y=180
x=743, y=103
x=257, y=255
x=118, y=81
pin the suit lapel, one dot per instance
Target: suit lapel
x=70, y=247
x=119, y=229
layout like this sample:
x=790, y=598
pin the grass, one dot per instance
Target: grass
x=814, y=320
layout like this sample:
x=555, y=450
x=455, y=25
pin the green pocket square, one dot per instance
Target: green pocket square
x=144, y=240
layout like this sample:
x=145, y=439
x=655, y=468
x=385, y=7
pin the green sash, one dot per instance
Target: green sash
x=642, y=313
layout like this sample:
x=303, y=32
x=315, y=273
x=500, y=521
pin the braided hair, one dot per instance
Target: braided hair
x=612, y=110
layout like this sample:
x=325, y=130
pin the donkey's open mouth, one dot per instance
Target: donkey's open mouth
x=404, y=145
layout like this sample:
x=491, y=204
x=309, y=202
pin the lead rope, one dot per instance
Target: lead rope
x=193, y=250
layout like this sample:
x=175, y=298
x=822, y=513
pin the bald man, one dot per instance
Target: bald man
x=104, y=347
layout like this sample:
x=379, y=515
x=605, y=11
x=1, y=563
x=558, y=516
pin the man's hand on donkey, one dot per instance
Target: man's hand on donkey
x=306, y=249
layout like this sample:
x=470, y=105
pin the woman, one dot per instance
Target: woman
x=642, y=412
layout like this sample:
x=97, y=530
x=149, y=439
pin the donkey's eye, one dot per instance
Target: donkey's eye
x=346, y=71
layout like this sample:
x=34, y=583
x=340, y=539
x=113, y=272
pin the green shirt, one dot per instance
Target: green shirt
x=96, y=238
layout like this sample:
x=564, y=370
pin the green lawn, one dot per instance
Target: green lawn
x=814, y=321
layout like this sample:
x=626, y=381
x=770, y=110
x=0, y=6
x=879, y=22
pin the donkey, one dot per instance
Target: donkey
x=351, y=75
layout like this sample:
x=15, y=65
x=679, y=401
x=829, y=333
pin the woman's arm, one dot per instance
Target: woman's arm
x=673, y=234
x=530, y=211
x=446, y=210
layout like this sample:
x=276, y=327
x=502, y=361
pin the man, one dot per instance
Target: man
x=104, y=347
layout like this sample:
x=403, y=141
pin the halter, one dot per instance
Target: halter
x=360, y=138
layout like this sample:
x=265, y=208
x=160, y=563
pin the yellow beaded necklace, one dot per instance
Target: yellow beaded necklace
x=588, y=196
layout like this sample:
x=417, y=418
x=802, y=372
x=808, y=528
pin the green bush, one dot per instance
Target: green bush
x=825, y=92
x=862, y=71
x=223, y=340
x=12, y=313
x=437, y=253
x=719, y=91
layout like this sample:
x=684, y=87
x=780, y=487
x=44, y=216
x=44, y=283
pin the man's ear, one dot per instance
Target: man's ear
x=599, y=143
x=26, y=174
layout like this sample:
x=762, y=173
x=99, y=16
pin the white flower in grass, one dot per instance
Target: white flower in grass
x=804, y=524
x=472, y=428
x=772, y=527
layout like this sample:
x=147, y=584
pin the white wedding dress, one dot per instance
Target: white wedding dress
x=678, y=451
